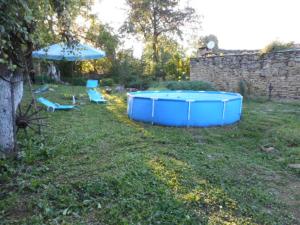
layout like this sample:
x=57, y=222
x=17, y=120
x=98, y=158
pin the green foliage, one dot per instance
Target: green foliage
x=101, y=36
x=23, y=23
x=44, y=79
x=99, y=66
x=66, y=68
x=111, y=170
x=56, y=19
x=151, y=19
x=172, y=63
x=16, y=26
x=276, y=46
x=27, y=24
x=165, y=15
x=204, y=40
x=183, y=85
x=244, y=88
x=129, y=70
x=140, y=83
x=76, y=80
x=107, y=82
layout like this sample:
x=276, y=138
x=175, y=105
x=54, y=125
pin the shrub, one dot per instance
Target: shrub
x=107, y=82
x=77, y=81
x=244, y=88
x=139, y=83
x=44, y=79
x=66, y=68
x=183, y=85
x=276, y=46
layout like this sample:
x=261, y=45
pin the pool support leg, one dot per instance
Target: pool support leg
x=223, y=113
x=153, y=110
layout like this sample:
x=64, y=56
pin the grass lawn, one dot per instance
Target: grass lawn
x=95, y=166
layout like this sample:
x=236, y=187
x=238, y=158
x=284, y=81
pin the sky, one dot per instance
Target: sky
x=238, y=24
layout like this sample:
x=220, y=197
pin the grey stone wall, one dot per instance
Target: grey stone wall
x=280, y=69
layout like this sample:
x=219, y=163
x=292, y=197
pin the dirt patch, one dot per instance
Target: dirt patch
x=18, y=212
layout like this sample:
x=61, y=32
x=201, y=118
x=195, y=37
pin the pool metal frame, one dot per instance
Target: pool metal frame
x=189, y=101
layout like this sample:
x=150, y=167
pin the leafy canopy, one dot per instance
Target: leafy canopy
x=276, y=46
x=173, y=64
x=16, y=26
x=27, y=24
x=151, y=18
x=204, y=40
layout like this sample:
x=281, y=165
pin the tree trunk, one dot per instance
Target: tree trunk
x=155, y=39
x=154, y=47
x=37, y=68
x=53, y=72
x=10, y=97
x=155, y=57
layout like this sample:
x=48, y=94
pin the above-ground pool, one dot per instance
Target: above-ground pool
x=185, y=108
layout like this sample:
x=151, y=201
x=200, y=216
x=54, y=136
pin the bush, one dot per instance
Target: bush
x=44, y=79
x=276, y=46
x=77, y=81
x=139, y=83
x=66, y=68
x=107, y=82
x=244, y=88
x=183, y=85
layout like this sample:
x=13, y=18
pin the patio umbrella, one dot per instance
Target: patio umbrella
x=64, y=52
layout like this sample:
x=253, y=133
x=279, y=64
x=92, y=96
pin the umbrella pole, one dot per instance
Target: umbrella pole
x=73, y=97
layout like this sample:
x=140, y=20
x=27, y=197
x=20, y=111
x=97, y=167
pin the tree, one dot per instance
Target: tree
x=154, y=18
x=129, y=69
x=101, y=36
x=19, y=28
x=172, y=65
x=16, y=45
x=204, y=40
x=276, y=46
x=55, y=19
x=200, y=43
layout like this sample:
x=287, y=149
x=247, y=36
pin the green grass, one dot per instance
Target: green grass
x=95, y=166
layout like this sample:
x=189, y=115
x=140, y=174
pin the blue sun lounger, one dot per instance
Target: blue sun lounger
x=92, y=84
x=95, y=96
x=52, y=106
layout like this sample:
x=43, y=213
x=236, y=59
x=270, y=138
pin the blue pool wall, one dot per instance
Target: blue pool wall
x=184, y=112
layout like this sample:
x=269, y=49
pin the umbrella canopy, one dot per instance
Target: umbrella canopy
x=61, y=51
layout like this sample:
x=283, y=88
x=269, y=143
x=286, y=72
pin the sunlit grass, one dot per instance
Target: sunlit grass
x=218, y=206
x=118, y=107
x=170, y=177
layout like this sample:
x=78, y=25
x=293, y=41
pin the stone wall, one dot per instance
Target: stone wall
x=254, y=71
